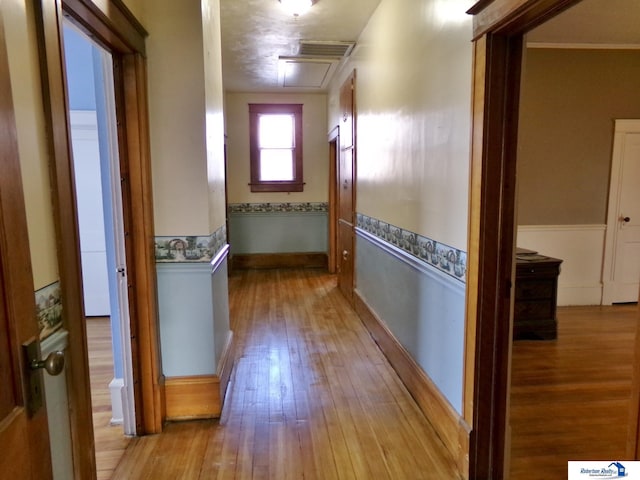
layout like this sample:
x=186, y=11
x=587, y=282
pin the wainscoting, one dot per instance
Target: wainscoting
x=415, y=312
x=581, y=249
x=196, y=342
x=278, y=228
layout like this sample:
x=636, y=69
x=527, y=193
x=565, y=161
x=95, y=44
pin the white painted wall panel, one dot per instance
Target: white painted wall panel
x=580, y=247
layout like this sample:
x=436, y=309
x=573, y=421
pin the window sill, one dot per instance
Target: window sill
x=277, y=187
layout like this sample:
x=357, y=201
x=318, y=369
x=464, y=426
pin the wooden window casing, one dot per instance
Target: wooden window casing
x=296, y=184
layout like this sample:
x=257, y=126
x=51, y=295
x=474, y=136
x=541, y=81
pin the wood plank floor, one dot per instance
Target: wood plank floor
x=570, y=397
x=110, y=440
x=311, y=396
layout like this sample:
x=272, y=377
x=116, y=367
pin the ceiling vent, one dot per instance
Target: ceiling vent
x=325, y=49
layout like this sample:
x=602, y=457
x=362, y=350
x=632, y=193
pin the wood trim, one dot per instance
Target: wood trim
x=334, y=158
x=450, y=426
x=200, y=396
x=147, y=353
x=494, y=256
x=49, y=30
x=135, y=159
x=256, y=184
x=509, y=17
x=225, y=365
x=279, y=260
x=188, y=398
x=109, y=22
x=498, y=29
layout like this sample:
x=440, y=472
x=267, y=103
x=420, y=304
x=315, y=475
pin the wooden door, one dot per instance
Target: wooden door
x=622, y=254
x=346, y=189
x=24, y=437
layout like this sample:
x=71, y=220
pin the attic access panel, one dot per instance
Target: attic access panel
x=305, y=73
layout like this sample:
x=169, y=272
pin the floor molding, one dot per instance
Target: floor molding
x=279, y=260
x=200, y=396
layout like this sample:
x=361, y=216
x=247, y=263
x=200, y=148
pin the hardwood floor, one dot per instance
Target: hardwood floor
x=110, y=440
x=311, y=396
x=570, y=397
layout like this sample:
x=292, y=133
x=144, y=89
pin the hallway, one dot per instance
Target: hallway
x=311, y=396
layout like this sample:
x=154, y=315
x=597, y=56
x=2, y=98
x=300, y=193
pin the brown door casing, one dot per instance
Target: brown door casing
x=111, y=25
x=499, y=26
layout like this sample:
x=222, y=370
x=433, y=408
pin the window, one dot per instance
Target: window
x=275, y=132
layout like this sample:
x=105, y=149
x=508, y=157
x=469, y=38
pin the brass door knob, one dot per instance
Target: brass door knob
x=53, y=364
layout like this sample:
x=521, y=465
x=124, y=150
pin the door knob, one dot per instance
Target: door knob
x=53, y=364
x=626, y=219
x=345, y=254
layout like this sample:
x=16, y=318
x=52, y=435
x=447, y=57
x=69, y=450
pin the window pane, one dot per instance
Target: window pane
x=276, y=164
x=275, y=131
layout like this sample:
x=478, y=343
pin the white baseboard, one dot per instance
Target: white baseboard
x=116, y=387
x=579, y=294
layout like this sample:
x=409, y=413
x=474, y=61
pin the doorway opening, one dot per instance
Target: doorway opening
x=94, y=142
x=565, y=133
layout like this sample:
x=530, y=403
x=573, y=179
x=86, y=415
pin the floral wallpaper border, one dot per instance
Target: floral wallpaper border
x=443, y=257
x=304, y=207
x=190, y=249
x=49, y=309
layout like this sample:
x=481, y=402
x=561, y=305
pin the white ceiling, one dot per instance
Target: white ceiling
x=256, y=33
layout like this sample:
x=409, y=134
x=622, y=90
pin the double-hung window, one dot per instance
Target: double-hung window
x=275, y=132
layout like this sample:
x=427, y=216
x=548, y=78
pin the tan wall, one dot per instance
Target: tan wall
x=177, y=111
x=21, y=41
x=413, y=64
x=214, y=112
x=569, y=101
x=315, y=147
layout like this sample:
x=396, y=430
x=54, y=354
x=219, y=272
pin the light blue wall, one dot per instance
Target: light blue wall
x=194, y=317
x=278, y=232
x=79, y=67
x=220, y=296
x=422, y=306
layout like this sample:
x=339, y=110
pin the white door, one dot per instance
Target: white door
x=621, y=273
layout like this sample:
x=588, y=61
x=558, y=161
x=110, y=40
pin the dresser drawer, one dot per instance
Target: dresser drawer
x=532, y=289
x=534, y=309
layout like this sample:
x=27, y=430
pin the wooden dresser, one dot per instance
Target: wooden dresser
x=534, y=316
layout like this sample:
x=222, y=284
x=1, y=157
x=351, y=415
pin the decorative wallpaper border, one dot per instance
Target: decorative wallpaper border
x=439, y=255
x=190, y=249
x=305, y=207
x=49, y=309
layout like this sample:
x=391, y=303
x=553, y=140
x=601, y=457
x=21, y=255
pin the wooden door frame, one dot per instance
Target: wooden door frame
x=334, y=159
x=498, y=29
x=118, y=31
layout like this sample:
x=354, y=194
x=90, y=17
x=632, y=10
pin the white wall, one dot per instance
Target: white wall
x=214, y=122
x=413, y=100
x=177, y=111
x=19, y=24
